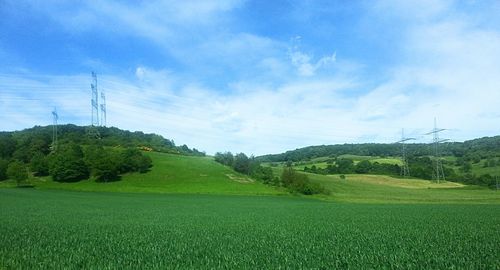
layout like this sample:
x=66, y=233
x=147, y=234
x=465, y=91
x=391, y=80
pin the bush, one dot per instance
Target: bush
x=300, y=183
x=3, y=168
x=107, y=167
x=132, y=160
x=39, y=164
x=17, y=171
x=67, y=165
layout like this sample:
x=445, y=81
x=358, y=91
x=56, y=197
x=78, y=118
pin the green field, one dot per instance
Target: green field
x=321, y=162
x=173, y=174
x=65, y=229
x=191, y=212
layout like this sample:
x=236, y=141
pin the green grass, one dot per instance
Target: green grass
x=386, y=189
x=173, y=174
x=362, y=188
x=320, y=162
x=479, y=169
x=47, y=229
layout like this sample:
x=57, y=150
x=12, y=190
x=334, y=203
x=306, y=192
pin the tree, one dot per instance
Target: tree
x=299, y=182
x=3, y=168
x=107, y=167
x=7, y=145
x=345, y=165
x=363, y=166
x=241, y=163
x=17, y=171
x=132, y=160
x=467, y=167
x=39, y=164
x=67, y=165
x=226, y=158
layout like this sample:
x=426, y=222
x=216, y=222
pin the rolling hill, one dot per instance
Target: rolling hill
x=172, y=173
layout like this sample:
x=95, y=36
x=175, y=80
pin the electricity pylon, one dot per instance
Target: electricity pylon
x=438, y=166
x=405, y=169
x=55, y=117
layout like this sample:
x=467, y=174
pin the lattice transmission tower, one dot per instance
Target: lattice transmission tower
x=103, y=108
x=405, y=169
x=95, y=100
x=55, y=117
x=438, y=165
x=92, y=130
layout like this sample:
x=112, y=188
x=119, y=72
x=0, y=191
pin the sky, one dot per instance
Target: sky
x=257, y=77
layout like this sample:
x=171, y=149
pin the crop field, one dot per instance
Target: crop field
x=66, y=229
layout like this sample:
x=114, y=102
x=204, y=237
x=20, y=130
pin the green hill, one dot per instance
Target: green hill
x=171, y=173
x=179, y=174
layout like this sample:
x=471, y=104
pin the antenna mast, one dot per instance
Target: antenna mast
x=405, y=169
x=438, y=166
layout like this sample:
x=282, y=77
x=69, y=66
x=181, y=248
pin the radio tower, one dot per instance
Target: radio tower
x=55, y=117
x=405, y=170
x=95, y=101
x=438, y=166
x=103, y=108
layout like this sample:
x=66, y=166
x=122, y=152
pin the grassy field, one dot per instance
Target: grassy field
x=321, y=162
x=65, y=229
x=173, y=174
x=386, y=189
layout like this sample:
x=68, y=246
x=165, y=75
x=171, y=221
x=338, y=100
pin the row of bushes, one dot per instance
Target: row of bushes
x=292, y=180
x=72, y=162
x=347, y=166
x=299, y=182
x=247, y=165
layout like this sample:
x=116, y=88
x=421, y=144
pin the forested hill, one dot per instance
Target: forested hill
x=21, y=144
x=478, y=148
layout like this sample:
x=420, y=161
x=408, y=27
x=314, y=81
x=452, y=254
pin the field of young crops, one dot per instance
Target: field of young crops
x=64, y=229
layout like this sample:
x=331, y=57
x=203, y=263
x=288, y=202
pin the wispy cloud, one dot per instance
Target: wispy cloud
x=230, y=87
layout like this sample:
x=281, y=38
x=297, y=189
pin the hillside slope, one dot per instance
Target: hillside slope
x=173, y=174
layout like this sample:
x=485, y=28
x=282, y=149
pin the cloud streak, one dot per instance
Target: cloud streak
x=240, y=90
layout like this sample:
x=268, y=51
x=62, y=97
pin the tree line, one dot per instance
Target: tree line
x=294, y=181
x=483, y=148
x=78, y=155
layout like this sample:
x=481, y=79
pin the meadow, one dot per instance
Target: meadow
x=172, y=174
x=67, y=229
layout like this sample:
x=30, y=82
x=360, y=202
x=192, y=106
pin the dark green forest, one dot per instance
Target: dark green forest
x=80, y=152
x=472, y=162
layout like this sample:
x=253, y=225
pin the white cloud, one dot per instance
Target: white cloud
x=448, y=69
x=303, y=62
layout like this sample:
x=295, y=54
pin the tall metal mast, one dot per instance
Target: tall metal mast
x=438, y=166
x=405, y=169
x=95, y=101
x=55, y=117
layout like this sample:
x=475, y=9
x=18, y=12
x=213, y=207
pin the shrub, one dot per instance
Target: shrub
x=39, y=164
x=17, y=171
x=3, y=168
x=67, y=165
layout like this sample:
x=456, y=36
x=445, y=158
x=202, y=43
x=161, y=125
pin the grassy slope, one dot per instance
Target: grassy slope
x=174, y=174
x=46, y=229
x=377, y=189
x=385, y=189
x=184, y=174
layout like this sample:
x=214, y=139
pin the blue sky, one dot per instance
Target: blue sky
x=256, y=76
